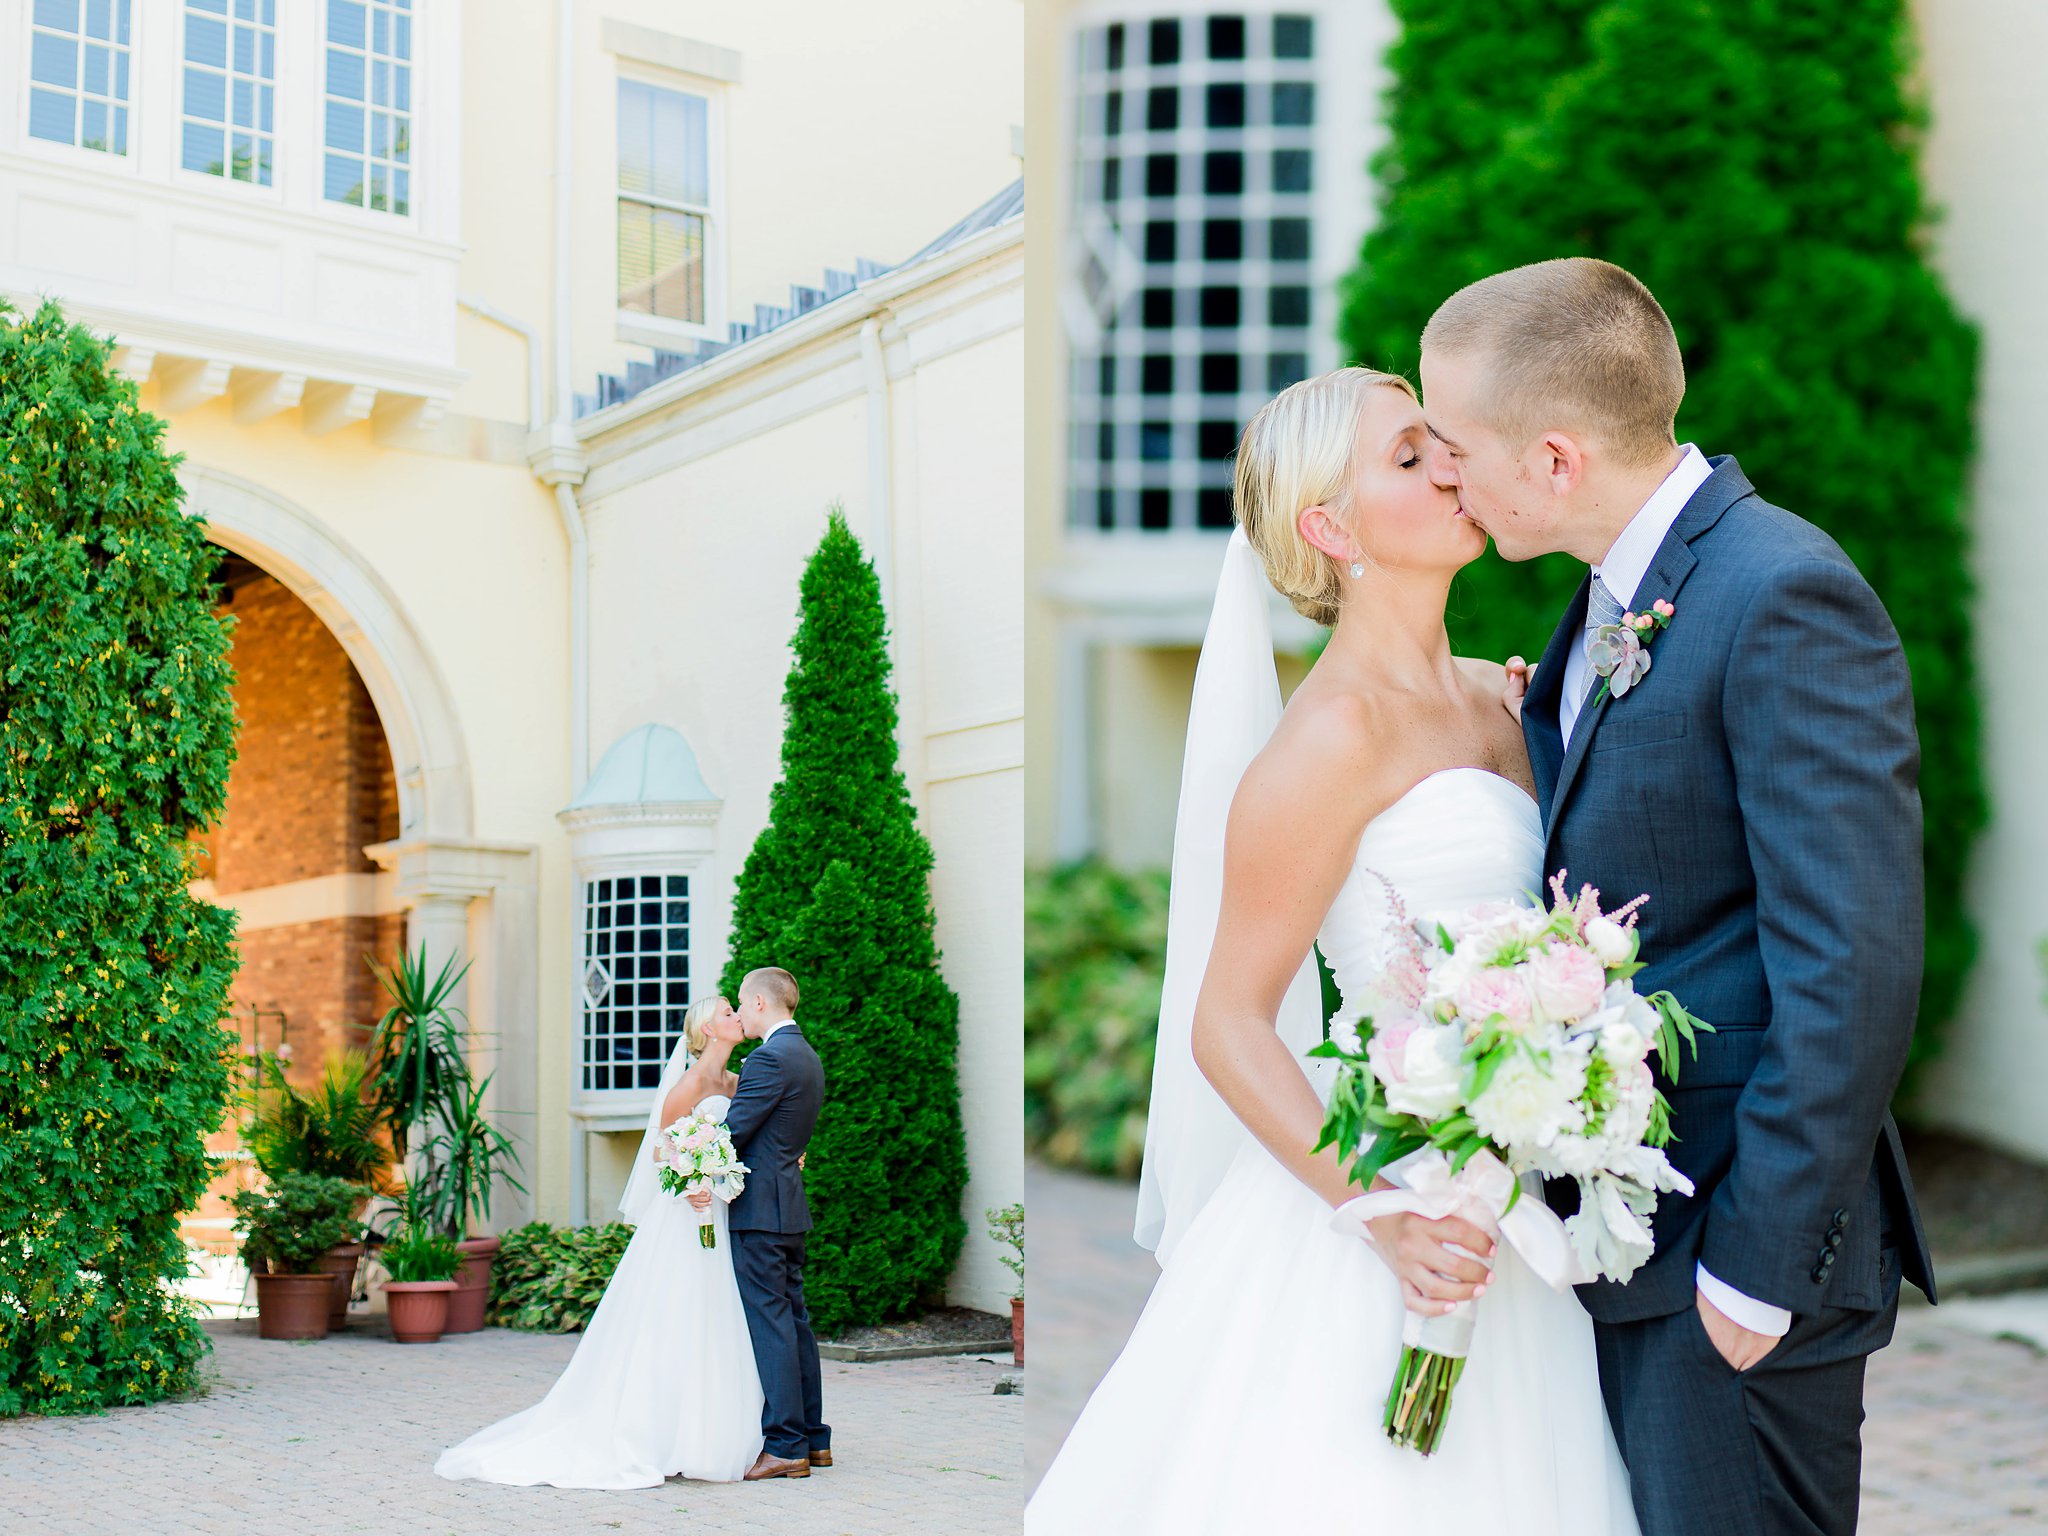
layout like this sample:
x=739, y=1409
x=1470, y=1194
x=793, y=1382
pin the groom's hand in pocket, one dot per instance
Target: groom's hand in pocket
x=1425, y=1257
x=1736, y=1344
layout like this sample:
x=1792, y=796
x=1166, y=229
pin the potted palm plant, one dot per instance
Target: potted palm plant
x=1006, y=1226
x=433, y=1104
x=333, y=1129
x=466, y=1154
x=287, y=1226
x=422, y=1263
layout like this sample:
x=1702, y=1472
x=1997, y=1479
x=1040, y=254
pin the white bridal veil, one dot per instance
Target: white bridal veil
x=1191, y=1135
x=644, y=1183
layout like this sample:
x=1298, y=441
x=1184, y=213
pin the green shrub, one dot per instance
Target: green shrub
x=288, y=1223
x=1752, y=161
x=116, y=734
x=421, y=1254
x=1094, y=954
x=550, y=1279
x=836, y=890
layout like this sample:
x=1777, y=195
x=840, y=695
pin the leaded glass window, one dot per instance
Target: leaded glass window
x=368, y=104
x=78, y=61
x=633, y=979
x=1195, y=146
x=228, y=95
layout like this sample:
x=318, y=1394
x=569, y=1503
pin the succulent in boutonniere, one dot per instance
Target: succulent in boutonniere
x=1620, y=653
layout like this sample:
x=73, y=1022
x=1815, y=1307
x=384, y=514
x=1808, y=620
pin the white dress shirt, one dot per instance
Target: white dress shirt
x=1628, y=562
x=1622, y=572
x=770, y=1033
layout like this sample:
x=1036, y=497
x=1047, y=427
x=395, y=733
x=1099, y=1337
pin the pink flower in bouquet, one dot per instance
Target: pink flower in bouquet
x=1568, y=983
x=1387, y=1050
x=1495, y=991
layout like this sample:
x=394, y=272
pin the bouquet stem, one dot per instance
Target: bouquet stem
x=708, y=1234
x=1419, y=1402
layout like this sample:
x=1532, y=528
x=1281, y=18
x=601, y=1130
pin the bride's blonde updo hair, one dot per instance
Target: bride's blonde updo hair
x=695, y=1017
x=1297, y=454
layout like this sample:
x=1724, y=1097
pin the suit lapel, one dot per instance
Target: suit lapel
x=1674, y=563
x=1541, y=709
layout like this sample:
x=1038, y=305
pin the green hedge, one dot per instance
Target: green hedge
x=1753, y=161
x=116, y=735
x=550, y=1279
x=837, y=890
x=1094, y=953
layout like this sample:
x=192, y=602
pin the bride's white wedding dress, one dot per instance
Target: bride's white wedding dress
x=1250, y=1395
x=663, y=1382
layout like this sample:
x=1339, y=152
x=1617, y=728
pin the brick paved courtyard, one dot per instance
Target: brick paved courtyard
x=341, y=1435
x=1956, y=1443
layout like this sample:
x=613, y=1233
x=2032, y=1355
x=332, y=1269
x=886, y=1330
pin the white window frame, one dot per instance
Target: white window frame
x=25, y=82
x=382, y=218
x=634, y=867
x=657, y=330
x=281, y=122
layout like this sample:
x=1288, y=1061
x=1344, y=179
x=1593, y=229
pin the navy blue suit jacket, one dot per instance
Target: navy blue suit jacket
x=782, y=1086
x=1761, y=785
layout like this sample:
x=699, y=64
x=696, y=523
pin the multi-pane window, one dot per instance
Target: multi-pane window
x=635, y=977
x=369, y=104
x=78, y=73
x=1196, y=169
x=228, y=98
x=664, y=200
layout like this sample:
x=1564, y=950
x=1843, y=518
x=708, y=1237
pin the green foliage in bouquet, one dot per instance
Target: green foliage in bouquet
x=836, y=890
x=1094, y=956
x=289, y=1222
x=1753, y=162
x=550, y=1279
x=116, y=735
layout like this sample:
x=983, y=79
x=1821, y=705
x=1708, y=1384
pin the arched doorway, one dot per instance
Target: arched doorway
x=351, y=832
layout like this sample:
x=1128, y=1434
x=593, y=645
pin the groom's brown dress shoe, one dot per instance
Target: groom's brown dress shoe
x=822, y=1458
x=766, y=1466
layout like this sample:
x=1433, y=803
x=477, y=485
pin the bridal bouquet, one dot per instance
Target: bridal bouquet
x=1511, y=1041
x=697, y=1153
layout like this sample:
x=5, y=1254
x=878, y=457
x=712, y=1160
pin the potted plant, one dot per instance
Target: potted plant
x=333, y=1129
x=422, y=1264
x=434, y=1105
x=466, y=1153
x=1006, y=1226
x=287, y=1226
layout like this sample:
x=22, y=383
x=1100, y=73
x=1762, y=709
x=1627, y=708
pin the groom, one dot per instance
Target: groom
x=1759, y=782
x=781, y=1088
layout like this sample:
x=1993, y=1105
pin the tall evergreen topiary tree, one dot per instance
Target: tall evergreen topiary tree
x=836, y=890
x=1753, y=162
x=116, y=734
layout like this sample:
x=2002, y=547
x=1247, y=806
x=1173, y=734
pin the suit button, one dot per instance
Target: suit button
x=1835, y=1239
x=1841, y=1217
x=1820, y=1273
x=1827, y=1259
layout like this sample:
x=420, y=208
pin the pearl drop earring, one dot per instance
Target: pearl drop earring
x=1357, y=569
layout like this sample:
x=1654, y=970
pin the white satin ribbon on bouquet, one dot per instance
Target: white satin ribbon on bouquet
x=1480, y=1192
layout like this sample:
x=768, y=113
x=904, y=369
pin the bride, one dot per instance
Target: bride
x=1249, y=1396
x=663, y=1380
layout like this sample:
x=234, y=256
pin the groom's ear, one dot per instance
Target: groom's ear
x=1560, y=462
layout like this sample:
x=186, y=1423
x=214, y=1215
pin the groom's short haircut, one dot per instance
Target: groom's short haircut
x=1575, y=345
x=773, y=983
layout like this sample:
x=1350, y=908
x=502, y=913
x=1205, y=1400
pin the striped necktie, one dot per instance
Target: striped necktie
x=1601, y=609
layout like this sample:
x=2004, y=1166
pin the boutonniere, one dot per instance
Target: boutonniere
x=1620, y=653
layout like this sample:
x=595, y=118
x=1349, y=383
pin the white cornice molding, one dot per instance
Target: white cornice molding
x=650, y=813
x=664, y=50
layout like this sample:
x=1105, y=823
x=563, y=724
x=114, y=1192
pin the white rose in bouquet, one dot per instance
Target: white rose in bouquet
x=1431, y=1063
x=1530, y=1101
x=1611, y=943
x=1567, y=982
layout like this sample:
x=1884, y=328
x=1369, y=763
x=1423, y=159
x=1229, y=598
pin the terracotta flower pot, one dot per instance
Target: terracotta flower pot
x=419, y=1309
x=1017, y=1329
x=294, y=1306
x=472, y=1285
x=340, y=1261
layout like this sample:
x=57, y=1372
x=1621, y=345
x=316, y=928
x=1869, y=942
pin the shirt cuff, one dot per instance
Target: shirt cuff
x=1743, y=1311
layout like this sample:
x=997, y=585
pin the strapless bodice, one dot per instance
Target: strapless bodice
x=713, y=1106
x=1460, y=837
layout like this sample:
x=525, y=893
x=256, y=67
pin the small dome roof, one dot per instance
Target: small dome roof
x=652, y=765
